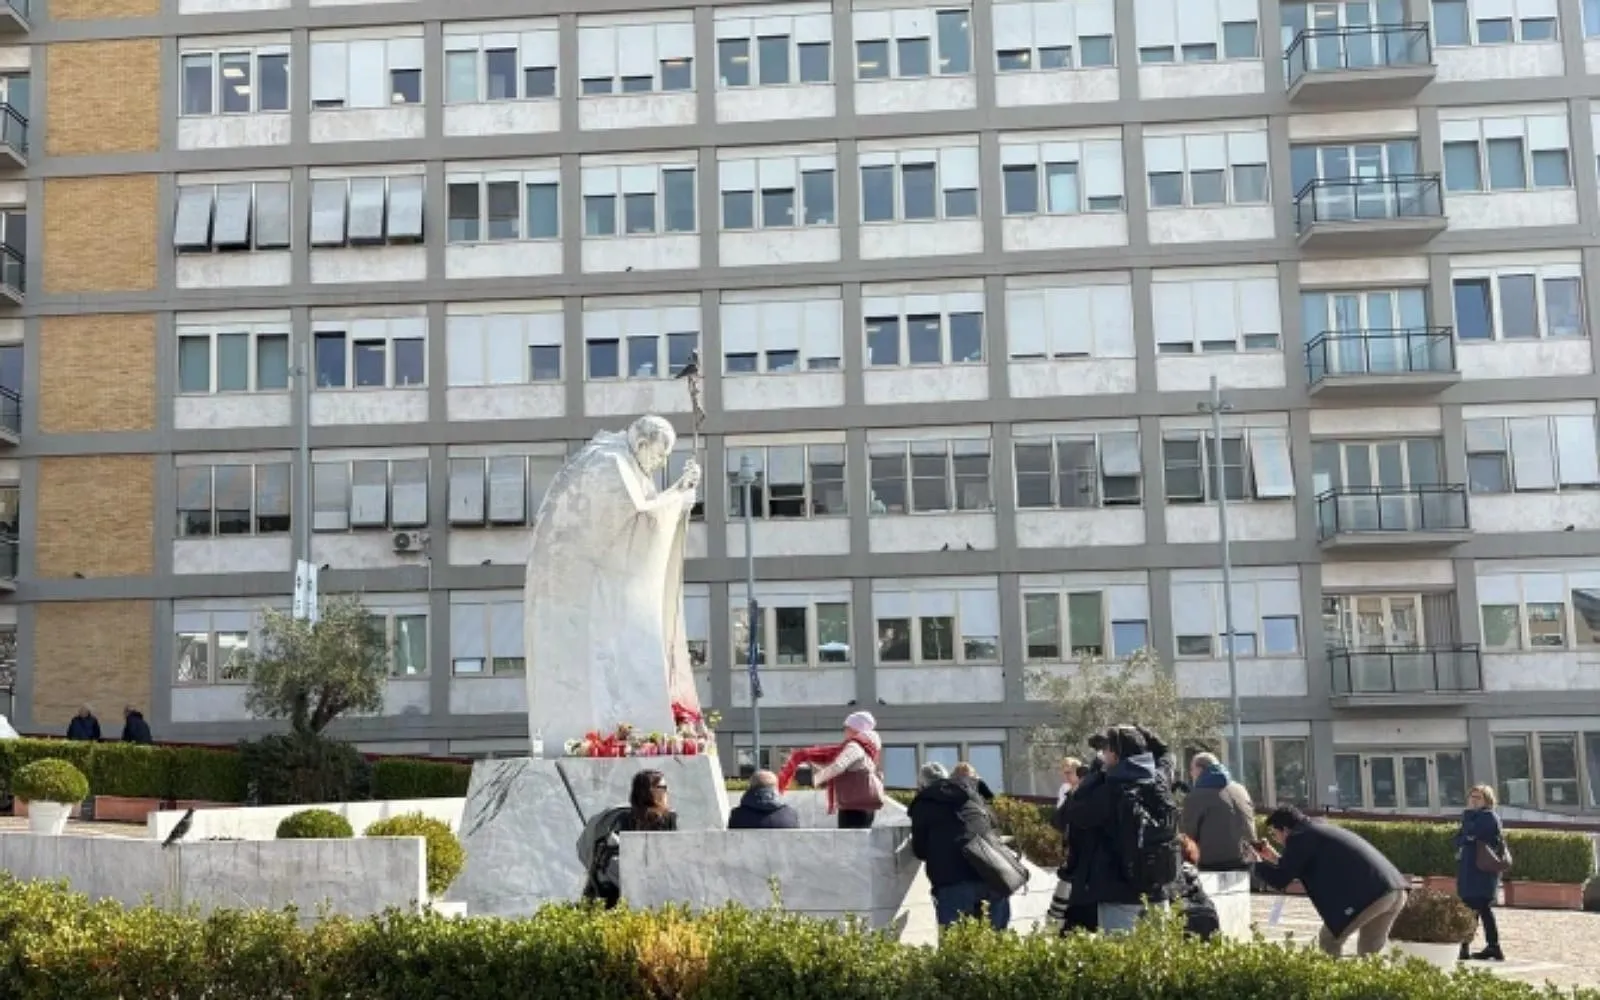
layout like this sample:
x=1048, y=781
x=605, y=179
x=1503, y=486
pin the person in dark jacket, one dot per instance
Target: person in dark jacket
x=84, y=726
x=1219, y=816
x=1199, y=912
x=761, y=809
x=1355, y=890
x=1098, y=878
x=1476, y=887
x=944, y=814
x=649, y=810
x=1078, y=844
x=134, y=728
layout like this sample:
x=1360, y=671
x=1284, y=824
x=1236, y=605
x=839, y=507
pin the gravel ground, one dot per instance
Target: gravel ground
x=1540, y=945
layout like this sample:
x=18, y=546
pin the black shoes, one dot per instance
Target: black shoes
x=1490, y=954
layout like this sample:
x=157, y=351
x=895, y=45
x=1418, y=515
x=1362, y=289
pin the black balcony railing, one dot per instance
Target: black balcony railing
x=20, y=6
x=10, y=410
x=8, y=557
x=1368, y=199
x=1407, y=670
x=1391, y=509
x=14, y=129
x=1412, y=351
x=1358, y=47
x=13, y=269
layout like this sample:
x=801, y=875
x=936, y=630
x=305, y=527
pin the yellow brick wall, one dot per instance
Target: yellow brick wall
x=96, y=516
x=90, y=652
x=100, y=10
x=103, y=97
x=97, y=372
x=100, y=234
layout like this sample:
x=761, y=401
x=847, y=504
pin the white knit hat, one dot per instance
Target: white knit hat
x=861, y=722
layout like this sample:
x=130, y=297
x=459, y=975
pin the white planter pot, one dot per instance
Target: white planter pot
x=1441, y=956
x=48, y=818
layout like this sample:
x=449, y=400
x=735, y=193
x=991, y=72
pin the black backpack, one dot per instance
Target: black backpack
x=1148, y=844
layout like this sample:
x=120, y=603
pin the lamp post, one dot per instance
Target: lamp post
x=752, y=612
x=305, y=577
x=1216, y=407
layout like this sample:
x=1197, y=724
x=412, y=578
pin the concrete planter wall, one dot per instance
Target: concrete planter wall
x=122, y=809
x=261, y=822
x=1543, y=895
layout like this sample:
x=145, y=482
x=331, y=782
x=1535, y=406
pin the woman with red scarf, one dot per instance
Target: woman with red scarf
x=849, y=771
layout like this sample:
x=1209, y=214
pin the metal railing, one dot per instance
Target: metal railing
x=1406, y=670
x=14, y=129
x=1367, y=509
x=8, y=557
x=13, y=268
x=1407, y=351
x=1368, y=199
x=10, y=410
x=1366, y=46
x=22, y=7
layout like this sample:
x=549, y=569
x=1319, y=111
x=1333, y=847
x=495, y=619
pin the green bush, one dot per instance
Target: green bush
x=56, y=944
x=132, y=770
x=1591, y=895
x=315, y=824
x=404, y=778
x=288, y=769
x=445, y=857
x=1549, y=856
x=50, y=780
x=1434, y=918
x=17, y=754
x=200, y=774
x=1028, y=824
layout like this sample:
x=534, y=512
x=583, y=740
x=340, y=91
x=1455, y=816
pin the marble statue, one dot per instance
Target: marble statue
x=603, y=604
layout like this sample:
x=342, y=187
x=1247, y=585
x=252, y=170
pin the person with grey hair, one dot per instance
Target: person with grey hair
x=1218, y=816
x=945, y=815
x=84, y=726
x=761, y=808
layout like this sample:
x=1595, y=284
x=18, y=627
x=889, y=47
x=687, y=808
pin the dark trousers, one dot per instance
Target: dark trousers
x=1484, y=908
x=856, y=819
x=1081, y=918
x=971, y=899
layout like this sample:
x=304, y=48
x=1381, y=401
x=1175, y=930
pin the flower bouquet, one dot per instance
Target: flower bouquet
x=692, y=736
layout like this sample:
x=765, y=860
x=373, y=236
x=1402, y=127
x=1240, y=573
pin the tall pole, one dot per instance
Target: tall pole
x=1216, y=408
x=747, y=479
x=302, y=518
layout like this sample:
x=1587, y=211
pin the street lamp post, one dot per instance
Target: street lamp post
x=1216, y=407
x=747, y=479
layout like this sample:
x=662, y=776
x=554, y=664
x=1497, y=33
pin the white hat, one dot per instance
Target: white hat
x=861, y=722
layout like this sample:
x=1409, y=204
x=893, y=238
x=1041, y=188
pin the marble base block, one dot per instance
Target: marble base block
x=1230, y=894
x=523, y=815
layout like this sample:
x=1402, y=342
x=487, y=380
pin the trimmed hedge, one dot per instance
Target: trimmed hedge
x=1429, y=849
x=51, y=780
x=444, y=855
x=54, y=944
x=405, y=778
x=315, y=824
x=135, y=770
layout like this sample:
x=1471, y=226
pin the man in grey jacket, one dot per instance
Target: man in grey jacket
x=1218, y=816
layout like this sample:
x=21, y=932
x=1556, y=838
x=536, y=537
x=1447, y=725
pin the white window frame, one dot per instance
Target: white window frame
x=1267, y=748
x=413, y=187
x=1033, y=27
x=960, y=161
x=1517, y=12
x=953, y=449
x=256, y=332
x=1196, y=152
x=254, y=467
x=214, y=57
x=1533, y=743
x=495, y=661
x=617, y=182
x=1574, y=463
x=195, y=200
x=535, y=48
x=1096, y=441
x=1536, y=133
x=1206, y=303
x=958, y=634
x=469, y=474
x=388, y=331
x=811, y=456
x=1066, y=652
x=1260, y=449
x=751, y=24
x=811, y=329
x=344, y=508
x=391, y=639
x=903, y=307
x=1540, y=273
x=1249, y=593
x=750, y=176
x=610, y=45
x=908, y=24
x=523, y=179
x=1069, y=322
x=766, y=644
x=1096, y=163
x=332, y=91
x=192, y=619
x=619, y=325
x=475, y=344
x=1181, y=31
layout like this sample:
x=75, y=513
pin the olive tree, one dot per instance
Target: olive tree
x=311, y=674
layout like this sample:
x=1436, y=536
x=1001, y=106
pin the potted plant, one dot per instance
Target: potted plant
x=51, y=788
x=1548, y=869
x=1433, y=926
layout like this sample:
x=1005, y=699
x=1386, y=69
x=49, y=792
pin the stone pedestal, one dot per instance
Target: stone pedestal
x=522, y=818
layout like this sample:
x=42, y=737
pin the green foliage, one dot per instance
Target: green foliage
x=1549, y=856
x=445, y=858
x=1429, y=849
x=56, y=945
x=50, y=780
x=128, y=769
x=313, y=673
x=315, y=824
x=1029, y=826
x=203, y=775
x=1591, y=895
x=1434, y=918
x=17, y=754
x=291, y=768
x=1097, y=693
x=404, y=778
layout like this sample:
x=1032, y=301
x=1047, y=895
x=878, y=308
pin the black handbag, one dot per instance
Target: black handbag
x=999, y=866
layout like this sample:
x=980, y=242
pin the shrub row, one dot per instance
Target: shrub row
x=55, y=944
x=134, y=770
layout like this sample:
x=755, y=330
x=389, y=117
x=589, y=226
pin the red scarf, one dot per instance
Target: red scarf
x=822, y=756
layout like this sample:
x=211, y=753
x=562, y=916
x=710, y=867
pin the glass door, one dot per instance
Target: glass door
x=1379, y=627
x=1417, y=781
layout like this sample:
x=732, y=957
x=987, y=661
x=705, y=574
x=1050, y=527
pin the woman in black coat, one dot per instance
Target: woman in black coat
x=1476, y=887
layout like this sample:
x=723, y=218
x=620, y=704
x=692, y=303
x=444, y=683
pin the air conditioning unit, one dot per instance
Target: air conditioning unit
x=410, y=541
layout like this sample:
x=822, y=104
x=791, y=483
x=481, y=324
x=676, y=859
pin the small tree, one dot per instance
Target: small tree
x=312, y=674
x=1098, y=693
